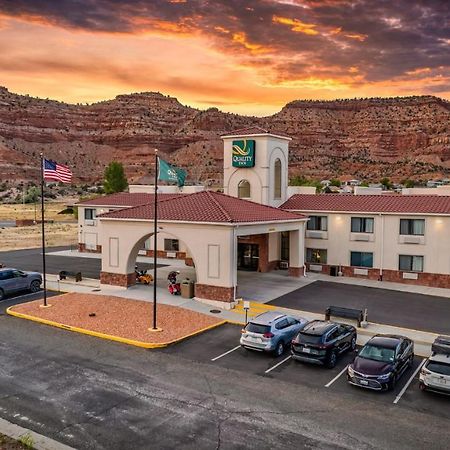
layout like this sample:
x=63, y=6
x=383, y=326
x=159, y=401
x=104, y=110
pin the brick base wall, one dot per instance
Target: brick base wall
x=82, y=248
x=118, y=279
x=395, y=276
x=189, y=262
x=295, y=271
x=218, y=293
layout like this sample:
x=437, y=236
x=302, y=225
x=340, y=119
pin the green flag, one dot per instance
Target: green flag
x=171, y=173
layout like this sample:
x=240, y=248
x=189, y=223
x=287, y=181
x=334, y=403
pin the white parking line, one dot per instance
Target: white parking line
x=399, y=396
x=278, y=364
x=226, y=353
x=336, y=377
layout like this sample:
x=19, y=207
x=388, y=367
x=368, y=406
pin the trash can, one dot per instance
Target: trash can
x=334, y=271
x=187, y=288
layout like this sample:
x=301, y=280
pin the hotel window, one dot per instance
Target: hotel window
x=415, y=227
x=361, y=259
x=277, y=179
x=89, y=214
x=244, y=189
x=410, y=263
x=316, y=255
x=362, y=225
x=317, y=223
x=171, y=245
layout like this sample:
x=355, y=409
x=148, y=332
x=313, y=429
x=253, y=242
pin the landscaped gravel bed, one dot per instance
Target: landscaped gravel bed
x=120, y=317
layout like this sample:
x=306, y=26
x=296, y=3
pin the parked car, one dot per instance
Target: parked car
x=435, y=373
x=271, y=332
x=13, y=281
x=322, y=341
x=381, y=362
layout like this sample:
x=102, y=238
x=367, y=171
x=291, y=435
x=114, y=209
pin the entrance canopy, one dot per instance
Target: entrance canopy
x=210, y=224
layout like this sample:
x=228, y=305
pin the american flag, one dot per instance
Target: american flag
x=56, y=172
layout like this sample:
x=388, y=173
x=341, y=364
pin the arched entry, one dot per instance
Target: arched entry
x=209, y=246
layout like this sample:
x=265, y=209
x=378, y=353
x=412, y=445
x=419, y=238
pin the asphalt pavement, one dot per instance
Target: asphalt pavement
x=31, y=259
x=95, y=394
x=402, y=309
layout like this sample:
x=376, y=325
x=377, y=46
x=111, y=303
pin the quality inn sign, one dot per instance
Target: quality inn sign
x=243, y=153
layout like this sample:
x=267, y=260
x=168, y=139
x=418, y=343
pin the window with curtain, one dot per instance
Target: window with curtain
x=244, y=189
x=277, y=179
x=362, y=225
x=361, y=259
x=415, y=227
x=410, y=263
x=316, y=255
x=317, y=223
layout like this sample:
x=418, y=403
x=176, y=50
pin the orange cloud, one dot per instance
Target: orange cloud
x=241, y=38
x=297, y=25
x=357, y=36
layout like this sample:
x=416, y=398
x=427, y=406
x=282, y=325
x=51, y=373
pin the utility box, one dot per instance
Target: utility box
x=187, y=288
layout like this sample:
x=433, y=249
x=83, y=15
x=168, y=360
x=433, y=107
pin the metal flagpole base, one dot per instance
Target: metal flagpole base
x=155, y=330
x=45, y=306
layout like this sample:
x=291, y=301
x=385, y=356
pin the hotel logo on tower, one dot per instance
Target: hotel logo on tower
x=243, y=153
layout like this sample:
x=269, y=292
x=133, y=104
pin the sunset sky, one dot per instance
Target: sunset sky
x=247, y=57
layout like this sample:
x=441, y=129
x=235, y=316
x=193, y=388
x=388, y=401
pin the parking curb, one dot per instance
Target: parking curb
x=146, y=345
x=40, y=442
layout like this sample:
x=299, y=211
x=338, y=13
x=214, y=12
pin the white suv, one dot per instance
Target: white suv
x=435, y=373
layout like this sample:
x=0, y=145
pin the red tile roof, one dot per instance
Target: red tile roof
x=253, y=130
x=125, y=199
x=403, y=204
x=206, y=206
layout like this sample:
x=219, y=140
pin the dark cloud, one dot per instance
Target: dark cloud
x=384, y=39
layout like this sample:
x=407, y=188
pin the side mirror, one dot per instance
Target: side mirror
x=24, y=275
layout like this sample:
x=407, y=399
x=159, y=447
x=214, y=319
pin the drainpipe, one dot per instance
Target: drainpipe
x=382, y=248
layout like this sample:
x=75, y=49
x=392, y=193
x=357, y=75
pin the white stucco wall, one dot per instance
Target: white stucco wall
x=434, y=246
x=261, y=177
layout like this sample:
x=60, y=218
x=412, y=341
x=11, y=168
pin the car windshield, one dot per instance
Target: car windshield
x=306, y=338
x=257, y=328
x=438, y=367
x=377, y=353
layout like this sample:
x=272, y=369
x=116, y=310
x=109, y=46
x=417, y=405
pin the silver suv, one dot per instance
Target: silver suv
x=13, y=280
x=435, y=373
x=271, y=331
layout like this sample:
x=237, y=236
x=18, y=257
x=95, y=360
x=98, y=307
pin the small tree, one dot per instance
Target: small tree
x=115, y=179
x=386, y=183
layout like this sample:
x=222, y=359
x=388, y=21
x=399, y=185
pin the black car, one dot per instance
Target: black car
x=321, y=342
x=381, y=362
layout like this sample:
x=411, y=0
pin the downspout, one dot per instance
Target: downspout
x=380, y=278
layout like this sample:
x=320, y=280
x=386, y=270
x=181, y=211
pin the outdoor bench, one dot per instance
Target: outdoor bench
x=348, y=313
x=63, y=274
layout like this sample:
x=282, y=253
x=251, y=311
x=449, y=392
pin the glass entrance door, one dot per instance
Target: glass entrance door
x=248, y=256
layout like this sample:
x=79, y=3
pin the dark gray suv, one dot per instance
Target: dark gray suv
x=14, y=280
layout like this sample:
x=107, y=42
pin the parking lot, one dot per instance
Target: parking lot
x=397, y=308
x=31, y=259
x=221, y=347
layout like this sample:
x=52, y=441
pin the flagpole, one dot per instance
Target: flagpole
x=155, y=241
x=43, y=231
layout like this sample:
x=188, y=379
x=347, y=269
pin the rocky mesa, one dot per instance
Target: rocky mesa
x=407, y=137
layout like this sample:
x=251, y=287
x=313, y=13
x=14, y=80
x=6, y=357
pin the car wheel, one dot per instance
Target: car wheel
x=353, y=344
x=35, y=286
x=2, y=294
x=279, y=349
x=332, y=360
